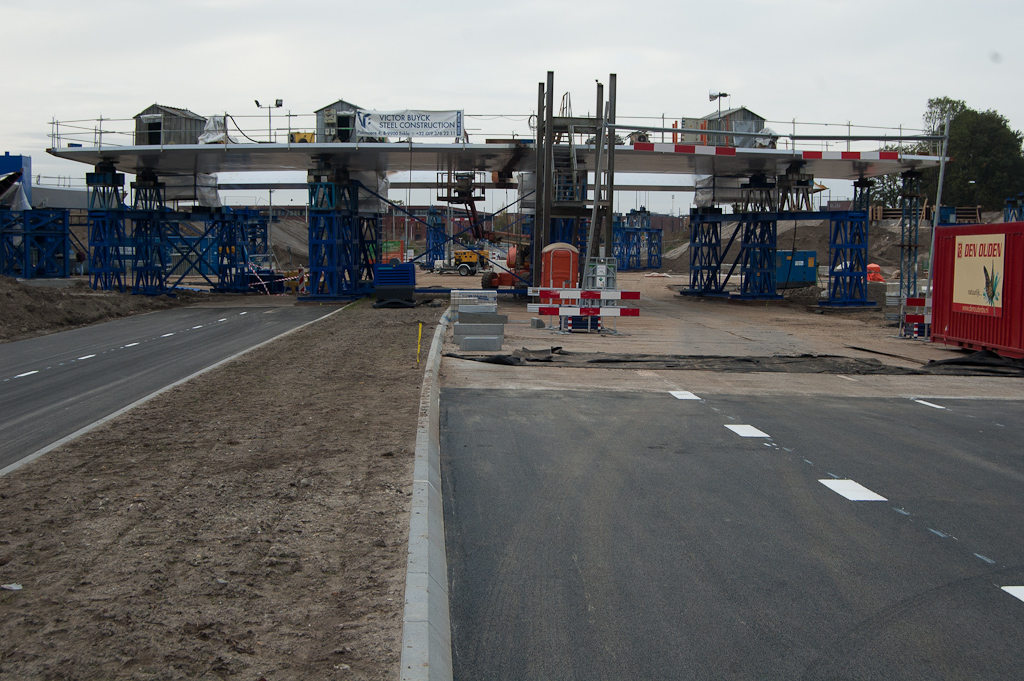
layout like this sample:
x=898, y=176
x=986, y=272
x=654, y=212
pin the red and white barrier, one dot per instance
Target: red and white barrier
x=583, y=294
x=558, y=311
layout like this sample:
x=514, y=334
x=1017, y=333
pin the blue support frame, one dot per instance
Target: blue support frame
x=653, y=248
x=35, y=244
x=107, y=268
x=435, y=237
x=343, y=245
x=848, y=261
x=149, y=247
x=757, y=256
x=848, y=252
x=1013, y=210
x=910, y=202
x=705, y=251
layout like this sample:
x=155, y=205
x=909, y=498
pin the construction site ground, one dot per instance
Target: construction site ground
x=253, y=522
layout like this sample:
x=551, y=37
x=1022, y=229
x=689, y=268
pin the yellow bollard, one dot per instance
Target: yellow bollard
x=419, y=340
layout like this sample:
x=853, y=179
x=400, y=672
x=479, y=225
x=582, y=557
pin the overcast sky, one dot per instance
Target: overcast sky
x=870, y=62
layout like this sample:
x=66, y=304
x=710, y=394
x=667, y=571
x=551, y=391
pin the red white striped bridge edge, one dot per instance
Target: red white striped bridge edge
x=557, y=311
x=702, y=150
x=583, y=294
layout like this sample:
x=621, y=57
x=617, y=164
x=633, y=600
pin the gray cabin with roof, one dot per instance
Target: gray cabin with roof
x=158, y=124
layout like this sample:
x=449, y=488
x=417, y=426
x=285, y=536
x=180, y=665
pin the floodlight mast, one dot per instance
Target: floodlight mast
x=278, y=103
x=712, y=96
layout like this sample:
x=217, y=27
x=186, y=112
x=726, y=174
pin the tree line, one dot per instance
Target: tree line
x=986, y=158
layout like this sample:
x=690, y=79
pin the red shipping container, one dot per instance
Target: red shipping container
x=978, y=287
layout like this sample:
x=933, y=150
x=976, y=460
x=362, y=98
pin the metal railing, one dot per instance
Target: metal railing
x=279, y=129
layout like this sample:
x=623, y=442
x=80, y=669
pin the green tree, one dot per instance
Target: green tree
x=986, y=157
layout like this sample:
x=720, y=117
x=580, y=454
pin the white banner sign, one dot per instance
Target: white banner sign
x=409, y=123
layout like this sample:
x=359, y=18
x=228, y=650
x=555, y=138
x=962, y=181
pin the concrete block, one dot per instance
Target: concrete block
x=479, y=329
x=492, y=308
x=537, y=323
x=482, y=318
x=481, y=344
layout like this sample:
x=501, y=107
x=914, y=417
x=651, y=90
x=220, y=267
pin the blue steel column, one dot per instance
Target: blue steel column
x=343, y=245
x=910, y=202
x=232, y=251
x=47, y=243
x=435, y=237
x=705, y=250
x=13, y=252
x=757, y=256
x=848, y=250
x=149, y=266
x=106, y=228
x=653, y=248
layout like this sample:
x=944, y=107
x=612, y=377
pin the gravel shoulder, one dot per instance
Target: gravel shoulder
x=250, y=523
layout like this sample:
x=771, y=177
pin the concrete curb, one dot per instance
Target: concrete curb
x=426, y=630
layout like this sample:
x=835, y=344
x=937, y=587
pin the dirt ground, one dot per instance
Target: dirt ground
x=57, y=305
x=250, y=524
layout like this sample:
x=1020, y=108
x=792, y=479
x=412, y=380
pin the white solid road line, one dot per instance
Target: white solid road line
x=746, y=431
x=683, y=395
x=854, y=491
x=929, y=404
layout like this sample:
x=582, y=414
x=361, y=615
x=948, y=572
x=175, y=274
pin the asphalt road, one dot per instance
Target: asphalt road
x=622, y=535
x=53, y=385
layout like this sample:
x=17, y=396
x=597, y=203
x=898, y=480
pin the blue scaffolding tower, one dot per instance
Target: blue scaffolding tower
x=149, y=250
x=35, y=244
x=757, y=233
x=1013, y=210
x=848, y=252
x=107, y=245
x=911, y=200
x=343, y=245
x=435, y=237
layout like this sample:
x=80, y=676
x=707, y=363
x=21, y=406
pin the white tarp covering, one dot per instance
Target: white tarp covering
x=409, y=123
x=15, y=199
x=216, y=132
x=201, y=188
x=716, y=191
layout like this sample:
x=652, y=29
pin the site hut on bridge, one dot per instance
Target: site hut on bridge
x=158, y=124
x=337, y=122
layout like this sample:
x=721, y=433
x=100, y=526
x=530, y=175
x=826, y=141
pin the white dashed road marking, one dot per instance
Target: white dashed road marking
x=1015, y=591
x=746, y=431
x=87, y=357
x=683, y=395
x=167, y=334
x=27, y=373
x=131, y=345
x=854, y=491
x=929, y=404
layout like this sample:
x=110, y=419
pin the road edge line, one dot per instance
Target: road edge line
x=110, y=417
x=426, y=625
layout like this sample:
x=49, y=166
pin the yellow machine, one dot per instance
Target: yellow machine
x=464, y=262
